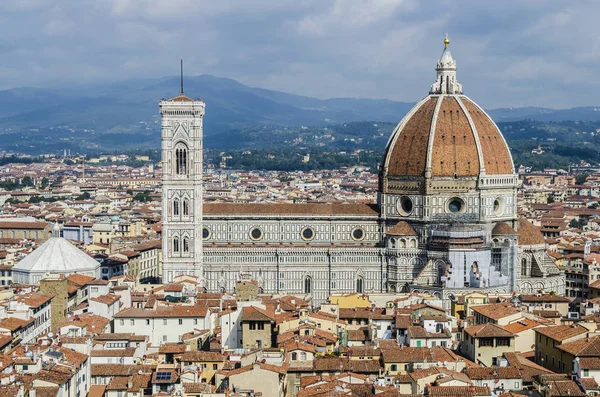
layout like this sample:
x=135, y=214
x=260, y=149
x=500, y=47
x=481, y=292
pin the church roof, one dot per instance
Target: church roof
x=502, y=228
x=290, y=209
x=402, y=228
x=181, y=98
x=529, y=234
x=57, y=255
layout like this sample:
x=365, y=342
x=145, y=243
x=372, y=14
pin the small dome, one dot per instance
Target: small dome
x=57, y=256
x=502, y=228
x=402, y=228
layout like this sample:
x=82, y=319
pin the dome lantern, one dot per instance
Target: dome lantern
x=446, y=82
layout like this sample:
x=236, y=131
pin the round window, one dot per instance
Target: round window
x=405, y=206
x=358, y=234
x=256, y=234
x=456, y=205
x=205, y=233
x=498, y=207
x=308, y=234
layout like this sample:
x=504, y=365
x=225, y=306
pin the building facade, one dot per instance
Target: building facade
x=182, y=119
x=445, y=221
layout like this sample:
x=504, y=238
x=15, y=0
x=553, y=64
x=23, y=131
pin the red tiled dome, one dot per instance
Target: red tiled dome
x=450, y=136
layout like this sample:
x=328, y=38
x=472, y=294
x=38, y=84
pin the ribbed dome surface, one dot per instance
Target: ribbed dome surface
x=449, y=135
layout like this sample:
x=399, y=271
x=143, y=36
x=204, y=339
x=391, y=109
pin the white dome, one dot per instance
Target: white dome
x=55, y=256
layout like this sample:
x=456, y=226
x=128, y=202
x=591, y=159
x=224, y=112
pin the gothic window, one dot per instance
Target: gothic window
x=360, y=285
x=307, y=285
x=186, y=244
x=176, y=244
x=181, y=159
x=176, y=207
x=186, y=207
x=523, y=267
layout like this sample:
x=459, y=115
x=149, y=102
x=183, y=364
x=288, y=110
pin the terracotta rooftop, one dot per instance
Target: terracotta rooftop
x=529, y=234
x=488, y=330
x=290, y=209
x=402, y=228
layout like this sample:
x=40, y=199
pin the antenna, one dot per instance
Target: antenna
x=181, y=76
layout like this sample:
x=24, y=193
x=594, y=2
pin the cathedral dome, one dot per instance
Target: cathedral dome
x=447, y=135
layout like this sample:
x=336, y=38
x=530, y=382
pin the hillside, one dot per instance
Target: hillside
x=124, y=115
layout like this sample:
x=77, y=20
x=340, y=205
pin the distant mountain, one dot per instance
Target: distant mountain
x=587, y=113
x=124, y=115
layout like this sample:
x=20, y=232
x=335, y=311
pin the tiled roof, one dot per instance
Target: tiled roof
x=458, y=391
x=584, y=347
x=522, y=325
x=562, y=332
x=402, y=228
x=252, y=313
x=544, y=298
x=502, y=228
x=290, y=209
x=201, y=356
x=127, y=352
x=496, y=311
x=164, y=311
x=484, y=373
x=529, y=234
x=488, y=330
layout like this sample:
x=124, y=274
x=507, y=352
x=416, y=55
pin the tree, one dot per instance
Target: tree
x=83, y=196
x=581, y=178
x=142, y=197
x=57, y=182
x=44, y=183
x=26, y=181
x=550, y=199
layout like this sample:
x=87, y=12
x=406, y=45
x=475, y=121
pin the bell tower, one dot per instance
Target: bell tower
x=181, y=131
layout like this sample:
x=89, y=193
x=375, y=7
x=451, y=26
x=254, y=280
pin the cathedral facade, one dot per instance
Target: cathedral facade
x=445, y=221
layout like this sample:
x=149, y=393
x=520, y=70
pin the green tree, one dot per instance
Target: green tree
x=581, y=178
x=83, y=196
x=27, y=181
x=44, y=183
x=142, y=197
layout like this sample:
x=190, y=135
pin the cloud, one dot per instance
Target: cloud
x=533, y=52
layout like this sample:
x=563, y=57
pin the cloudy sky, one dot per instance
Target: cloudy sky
x=509, y=53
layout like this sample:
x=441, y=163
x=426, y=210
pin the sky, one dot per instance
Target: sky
x=509, y=53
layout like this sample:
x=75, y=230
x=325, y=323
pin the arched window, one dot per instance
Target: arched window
x=307, y=285
x=181, y=159
x=294, y=356
x=186, y=244
x=176, y=207
x=523, y=267
x=303, y=356
x=360, y=285
x=176, y=244
x=186, y=207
